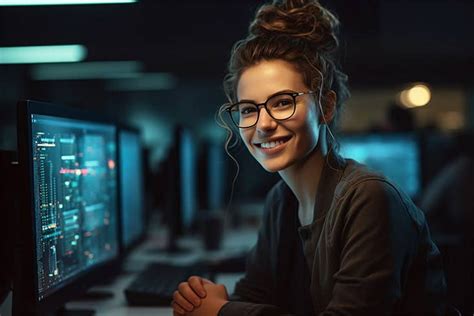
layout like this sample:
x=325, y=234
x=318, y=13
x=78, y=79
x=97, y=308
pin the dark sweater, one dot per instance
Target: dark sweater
x=369, y=251
x=298, y=279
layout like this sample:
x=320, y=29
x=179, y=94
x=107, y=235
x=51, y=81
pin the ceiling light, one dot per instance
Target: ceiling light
x=42, y=54
x=60, y=2
x=87, y=70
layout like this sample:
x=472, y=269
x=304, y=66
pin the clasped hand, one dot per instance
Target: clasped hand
x=198, y=297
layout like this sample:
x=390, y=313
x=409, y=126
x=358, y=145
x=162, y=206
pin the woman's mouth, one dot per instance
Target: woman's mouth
x=272, y=147
x=272, y=144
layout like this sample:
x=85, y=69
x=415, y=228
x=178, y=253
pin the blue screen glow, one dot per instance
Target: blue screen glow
x=131, y=180
x=396, y=156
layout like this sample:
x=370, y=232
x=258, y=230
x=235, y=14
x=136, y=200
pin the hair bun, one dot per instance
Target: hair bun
x=301, y=19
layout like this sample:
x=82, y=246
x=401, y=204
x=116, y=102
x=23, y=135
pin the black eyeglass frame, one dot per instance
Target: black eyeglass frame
x=264, y=104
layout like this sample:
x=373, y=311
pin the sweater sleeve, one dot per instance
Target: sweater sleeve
x=254, y=293
x=379, y=241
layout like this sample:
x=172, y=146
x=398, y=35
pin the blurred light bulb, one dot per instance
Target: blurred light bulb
x=404, y=98
x=419, y=95
x=416, y=96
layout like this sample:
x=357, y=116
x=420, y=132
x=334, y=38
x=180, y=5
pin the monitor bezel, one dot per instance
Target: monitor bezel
x=125, y=250
x=26, y=294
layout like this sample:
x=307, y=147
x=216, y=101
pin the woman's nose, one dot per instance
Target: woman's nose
x=265, y=121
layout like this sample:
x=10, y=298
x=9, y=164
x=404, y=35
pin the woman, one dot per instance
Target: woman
x=336, y=238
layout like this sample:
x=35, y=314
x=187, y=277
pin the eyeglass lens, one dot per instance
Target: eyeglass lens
x=280, y=107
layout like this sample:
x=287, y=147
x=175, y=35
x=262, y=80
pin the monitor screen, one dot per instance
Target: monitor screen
x=211, y=176
x=397, y=156
x=188, y=180
x=216, y=176
x=74, y=198
x=131, y=187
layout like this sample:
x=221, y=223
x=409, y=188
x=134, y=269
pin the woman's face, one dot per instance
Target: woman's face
x=288, y=142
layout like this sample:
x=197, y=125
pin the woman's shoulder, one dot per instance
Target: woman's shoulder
x=356, y=176
x=355, y=171
x=360, y=184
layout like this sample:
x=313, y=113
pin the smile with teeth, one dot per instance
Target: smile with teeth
x=268, y=145
x=271, y=144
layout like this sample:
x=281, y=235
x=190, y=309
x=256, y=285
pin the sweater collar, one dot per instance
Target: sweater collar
x=331, y=175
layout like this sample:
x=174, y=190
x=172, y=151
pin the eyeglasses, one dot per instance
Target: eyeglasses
x=280, y=107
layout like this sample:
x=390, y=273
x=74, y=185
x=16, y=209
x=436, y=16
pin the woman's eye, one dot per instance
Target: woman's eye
x=247, y=110
x=284, y=102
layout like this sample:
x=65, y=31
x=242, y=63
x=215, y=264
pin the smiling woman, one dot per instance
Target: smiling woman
x=279, y=143
x=337, y=238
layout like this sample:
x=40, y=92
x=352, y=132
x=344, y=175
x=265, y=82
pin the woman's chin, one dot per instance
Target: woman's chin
x=274, y=166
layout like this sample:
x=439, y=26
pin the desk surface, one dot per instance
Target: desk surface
x=234, y=242
x=117, y=306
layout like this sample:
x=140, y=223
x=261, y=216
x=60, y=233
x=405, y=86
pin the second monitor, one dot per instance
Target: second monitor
x=132, y=203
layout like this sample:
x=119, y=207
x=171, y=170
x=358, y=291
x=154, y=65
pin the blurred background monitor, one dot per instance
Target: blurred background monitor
x=187, y=160
x=68, y=211
x=212, y=175
x=132, y=190
x=438, y=150
x=395, y=155
x=179, y=179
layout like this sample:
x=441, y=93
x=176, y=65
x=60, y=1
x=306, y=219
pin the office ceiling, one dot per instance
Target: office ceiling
x=383, y=41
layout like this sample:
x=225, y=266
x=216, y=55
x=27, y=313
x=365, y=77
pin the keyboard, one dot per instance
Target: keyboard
x=155, y=285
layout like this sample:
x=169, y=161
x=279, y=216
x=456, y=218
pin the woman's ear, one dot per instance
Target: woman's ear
x=328, y=106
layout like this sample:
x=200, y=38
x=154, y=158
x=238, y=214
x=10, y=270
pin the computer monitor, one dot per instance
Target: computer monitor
x=212, y=176
x=68, y=230
x=180, y=176
x=396, y=155
x=132, y=201
x=187, y=177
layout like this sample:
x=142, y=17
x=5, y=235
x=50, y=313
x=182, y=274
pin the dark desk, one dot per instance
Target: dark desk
x=234, y=242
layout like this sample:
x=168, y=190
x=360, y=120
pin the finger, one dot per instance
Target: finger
x=176, y=307
x=223, y=289
x=206, y=281
x=182, y=302
x=177, y=310
x=196, y=284
x=188, y=293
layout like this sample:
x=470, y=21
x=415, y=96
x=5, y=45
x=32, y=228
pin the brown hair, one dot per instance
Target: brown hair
x=301, y=32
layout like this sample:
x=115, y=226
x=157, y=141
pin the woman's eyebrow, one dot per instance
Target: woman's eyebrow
x=274, y=94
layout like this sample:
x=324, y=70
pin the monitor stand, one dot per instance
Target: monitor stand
x=167, y=242
x=171, y=249
x=171, y=246
x=89, y=296
x=73, y=312
x=174, y=248
x=95, y=295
